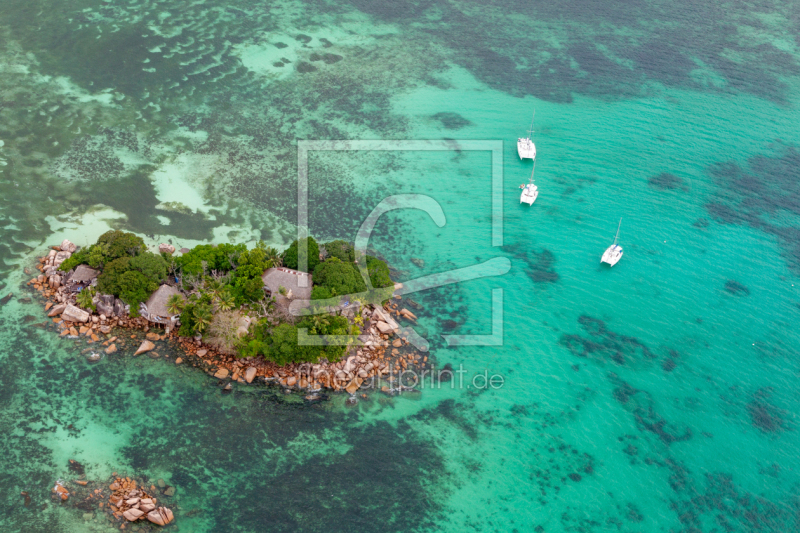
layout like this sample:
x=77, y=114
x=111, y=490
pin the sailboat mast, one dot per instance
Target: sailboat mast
x=530, y=130
x=616, y=237
x=532, y=171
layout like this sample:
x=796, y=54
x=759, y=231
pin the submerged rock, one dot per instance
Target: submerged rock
x=147, y=505
x=60, y=492
x=161, y=516
x=736, y=288
x=146, y=346
x=133, y=514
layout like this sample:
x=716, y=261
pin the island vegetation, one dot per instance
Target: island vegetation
x=221, y=297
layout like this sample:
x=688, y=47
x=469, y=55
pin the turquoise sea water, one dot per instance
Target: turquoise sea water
x=655, y=396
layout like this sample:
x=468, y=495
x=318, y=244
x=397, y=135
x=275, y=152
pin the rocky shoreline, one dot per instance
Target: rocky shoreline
x=380, y=361
x=132, y=503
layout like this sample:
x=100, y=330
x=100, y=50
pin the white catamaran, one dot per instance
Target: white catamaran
x=525, y=147
x=529, y=191
x=613, y=253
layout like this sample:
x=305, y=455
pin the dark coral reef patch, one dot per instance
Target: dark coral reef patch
x=758, y=195
x=604, y=345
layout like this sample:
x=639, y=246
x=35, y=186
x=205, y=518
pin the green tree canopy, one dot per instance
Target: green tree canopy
x=378, y=272
x=223, y=258
x=291, y=260
x=341, y=250
x=135, y=288
x=118, y=244
x=108, y=280
x=281, y=346
x=321, y=293
x=338, y=277
x=153, y=266
x=133, y=279
x=110, y=246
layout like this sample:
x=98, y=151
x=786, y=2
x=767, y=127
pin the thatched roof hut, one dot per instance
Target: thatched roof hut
x=155, y=310
x=83, y=275
x=275, y=278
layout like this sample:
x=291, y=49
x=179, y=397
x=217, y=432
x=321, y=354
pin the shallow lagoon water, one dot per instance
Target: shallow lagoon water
x=655, y=396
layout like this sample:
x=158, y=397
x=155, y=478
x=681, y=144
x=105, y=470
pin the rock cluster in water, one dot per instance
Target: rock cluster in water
x=119, y=499
x=134, y=503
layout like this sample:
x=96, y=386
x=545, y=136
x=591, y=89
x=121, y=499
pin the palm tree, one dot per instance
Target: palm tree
x=214, y=288
x=202, y=318
x=85, y=298
x=225, y=301
x=175, y=304
x=319, y=322
x=273, y=257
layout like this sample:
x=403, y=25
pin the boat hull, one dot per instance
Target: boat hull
x=526, y=149
x=528, y=197
x=612, y=255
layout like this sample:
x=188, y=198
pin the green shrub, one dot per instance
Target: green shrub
x=280, y=345
x=110, y=246
x=247, y=284
x=81, y=257
x=222, y=258
x=108, y=280
x=290, y=258
x=94, y=256
x=256, y=259
x=135, y=288
x=341, y=250
x=187, y=321
x=133, y=279
x=153, y=266
x=321, y=293
x=116, y=244
x=247, y=290
x=378, y=272
x=283, y=348
x=338, y=277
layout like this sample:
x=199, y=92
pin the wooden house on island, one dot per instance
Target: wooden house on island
x=155, y=309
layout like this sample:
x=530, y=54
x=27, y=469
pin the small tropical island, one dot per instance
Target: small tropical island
x=313, y=317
